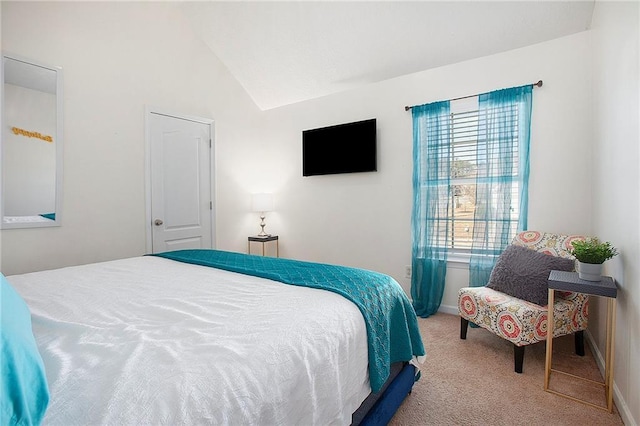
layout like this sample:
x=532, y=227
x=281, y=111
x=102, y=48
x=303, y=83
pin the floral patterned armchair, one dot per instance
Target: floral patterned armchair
x=519, y=321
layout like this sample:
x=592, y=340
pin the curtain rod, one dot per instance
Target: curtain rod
x=538, y=84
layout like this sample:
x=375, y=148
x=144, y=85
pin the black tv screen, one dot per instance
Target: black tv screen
x=344, y=148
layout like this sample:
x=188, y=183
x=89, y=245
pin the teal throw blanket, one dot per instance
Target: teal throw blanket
x=392, y=325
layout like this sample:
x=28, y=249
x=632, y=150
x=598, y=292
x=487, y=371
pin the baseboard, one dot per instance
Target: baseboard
x=446, y=309
x=621, y=404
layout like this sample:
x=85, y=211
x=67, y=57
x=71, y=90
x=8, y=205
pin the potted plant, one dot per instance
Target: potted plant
x=591, y=253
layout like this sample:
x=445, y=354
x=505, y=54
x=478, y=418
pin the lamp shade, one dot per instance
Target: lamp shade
x=262, y=202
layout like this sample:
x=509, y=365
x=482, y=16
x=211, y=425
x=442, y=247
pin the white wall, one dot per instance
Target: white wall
x=616, y=186
x=364, y=220
x=117, y=57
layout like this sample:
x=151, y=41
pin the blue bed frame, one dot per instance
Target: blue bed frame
x=380, y=407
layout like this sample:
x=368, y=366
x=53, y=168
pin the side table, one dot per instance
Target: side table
x=569, y=281
x=263, y=240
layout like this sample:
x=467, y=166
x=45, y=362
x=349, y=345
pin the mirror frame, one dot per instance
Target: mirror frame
x=58, y=140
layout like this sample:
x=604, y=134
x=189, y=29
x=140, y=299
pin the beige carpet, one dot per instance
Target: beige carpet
x=472, y=382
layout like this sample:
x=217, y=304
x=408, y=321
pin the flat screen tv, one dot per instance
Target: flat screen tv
x=344, y=148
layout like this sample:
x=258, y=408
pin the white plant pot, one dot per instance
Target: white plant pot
x=589, y=271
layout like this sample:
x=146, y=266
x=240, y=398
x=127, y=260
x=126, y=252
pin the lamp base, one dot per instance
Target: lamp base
x=262, y=225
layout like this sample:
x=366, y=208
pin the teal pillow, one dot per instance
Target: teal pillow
x=24, y=395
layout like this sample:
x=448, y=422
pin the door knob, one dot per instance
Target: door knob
x=158, y=222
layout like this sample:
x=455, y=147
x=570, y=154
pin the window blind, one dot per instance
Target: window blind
x=469, y=161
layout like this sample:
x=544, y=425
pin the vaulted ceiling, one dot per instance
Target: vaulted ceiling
x=287, y=52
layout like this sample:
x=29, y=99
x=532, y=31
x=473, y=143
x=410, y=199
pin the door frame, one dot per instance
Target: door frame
x=147, y=168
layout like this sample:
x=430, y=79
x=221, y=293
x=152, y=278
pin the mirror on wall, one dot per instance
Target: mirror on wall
x=31, y=175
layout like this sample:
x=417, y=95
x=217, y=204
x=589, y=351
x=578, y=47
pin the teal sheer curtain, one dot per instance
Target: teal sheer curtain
x=504, y=122
x=432, y=192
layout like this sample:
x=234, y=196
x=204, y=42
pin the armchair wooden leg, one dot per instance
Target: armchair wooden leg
x=518, y=357
x=464, y=325
x=579, y=336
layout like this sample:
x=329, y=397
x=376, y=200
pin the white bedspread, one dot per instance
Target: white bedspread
x=25, y=219
x=152, y=341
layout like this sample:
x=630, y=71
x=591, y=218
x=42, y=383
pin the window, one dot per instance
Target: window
x=470, y=184
x=470, y=163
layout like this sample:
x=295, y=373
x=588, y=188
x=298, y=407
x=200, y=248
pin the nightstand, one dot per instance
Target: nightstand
x=569, y=281
x=263, y=240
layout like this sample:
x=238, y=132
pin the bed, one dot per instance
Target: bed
x=213, y=337
x=45, y=218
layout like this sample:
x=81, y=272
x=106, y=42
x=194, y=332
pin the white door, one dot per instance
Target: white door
x=181, y=199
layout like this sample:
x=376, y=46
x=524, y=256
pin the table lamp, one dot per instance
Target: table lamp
x=262, y=203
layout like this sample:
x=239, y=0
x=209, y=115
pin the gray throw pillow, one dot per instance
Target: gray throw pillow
x=523, y=273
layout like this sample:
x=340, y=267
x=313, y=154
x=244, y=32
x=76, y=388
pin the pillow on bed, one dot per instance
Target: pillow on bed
x=523, y=273
x=24, y=394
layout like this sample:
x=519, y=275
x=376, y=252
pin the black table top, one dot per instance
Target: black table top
x=569, y=281
x=263, y=239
